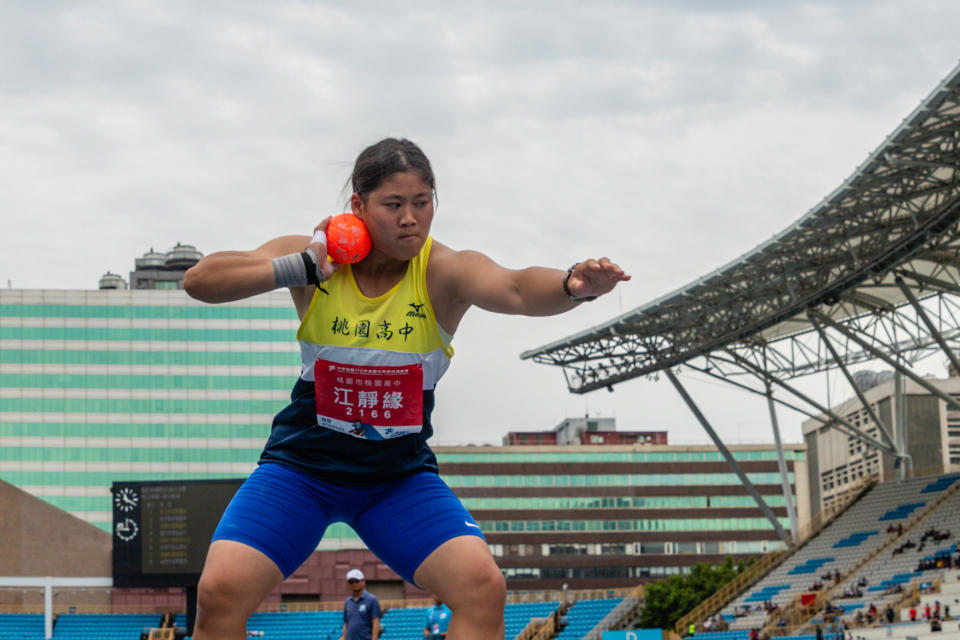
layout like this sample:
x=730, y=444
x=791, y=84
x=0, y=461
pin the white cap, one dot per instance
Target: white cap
x=354, y=574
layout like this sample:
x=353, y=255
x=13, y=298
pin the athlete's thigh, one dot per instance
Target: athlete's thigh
x=411, y=520
x=463, y=573
x=280, y=512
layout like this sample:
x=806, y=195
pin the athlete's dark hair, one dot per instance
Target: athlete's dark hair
x=385, y=158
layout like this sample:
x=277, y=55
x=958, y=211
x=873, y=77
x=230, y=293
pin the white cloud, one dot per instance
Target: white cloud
x=672, y=137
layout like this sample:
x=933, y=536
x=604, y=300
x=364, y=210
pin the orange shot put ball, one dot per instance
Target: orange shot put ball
x=347, y=239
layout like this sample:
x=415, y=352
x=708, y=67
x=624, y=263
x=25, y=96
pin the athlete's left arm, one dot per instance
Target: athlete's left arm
x=471, y=278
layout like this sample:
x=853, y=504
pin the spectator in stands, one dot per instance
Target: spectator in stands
x=935, y=624
x=862, y=582
x=819, y=633
x=361, y=610
x=754, y=634
x=889, y=614
x=438, y=619
x=872, y=613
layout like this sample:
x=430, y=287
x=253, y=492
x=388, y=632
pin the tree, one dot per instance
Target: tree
x=666, y=601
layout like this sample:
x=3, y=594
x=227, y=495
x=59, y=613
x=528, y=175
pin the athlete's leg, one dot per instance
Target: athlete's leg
x=235, y=580
x=270, y=527
x=423, y=532
x=463, y=574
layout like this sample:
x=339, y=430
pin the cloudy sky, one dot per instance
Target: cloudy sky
x=669, y=136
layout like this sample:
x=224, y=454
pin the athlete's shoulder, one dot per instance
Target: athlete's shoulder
x=445, y=258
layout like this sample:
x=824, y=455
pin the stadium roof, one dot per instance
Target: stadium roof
x=890, y=232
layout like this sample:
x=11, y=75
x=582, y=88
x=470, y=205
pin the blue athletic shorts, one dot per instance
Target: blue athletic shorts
x=283, y=512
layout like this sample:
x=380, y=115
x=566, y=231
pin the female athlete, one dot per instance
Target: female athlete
x=352, y=445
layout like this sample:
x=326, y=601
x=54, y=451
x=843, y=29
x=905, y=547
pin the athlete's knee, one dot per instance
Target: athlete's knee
x=488, y=590
x=219, y=598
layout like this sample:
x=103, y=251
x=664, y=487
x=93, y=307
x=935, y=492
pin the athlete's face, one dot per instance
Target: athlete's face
x=397, y=214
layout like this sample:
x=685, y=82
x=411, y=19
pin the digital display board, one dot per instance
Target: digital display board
x=161, y=530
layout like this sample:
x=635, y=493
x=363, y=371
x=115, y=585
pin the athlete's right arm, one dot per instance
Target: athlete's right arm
x=225, y=276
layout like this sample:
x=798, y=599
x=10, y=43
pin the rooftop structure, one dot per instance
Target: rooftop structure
x=871, y=272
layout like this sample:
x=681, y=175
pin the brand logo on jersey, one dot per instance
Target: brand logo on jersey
x=416, y=310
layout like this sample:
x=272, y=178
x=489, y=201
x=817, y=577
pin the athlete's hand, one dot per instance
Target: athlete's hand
x=325, y=268
x=595, y=278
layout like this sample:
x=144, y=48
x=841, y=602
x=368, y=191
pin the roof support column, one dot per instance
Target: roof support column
x=48, y=608
x=950, y=400
x=767, y=511
x=853, y=383
x=930, y=326
x=855, y=432
x=782, y=464
x=900, y=415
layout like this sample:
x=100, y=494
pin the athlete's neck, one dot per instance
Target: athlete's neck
x=375, y=275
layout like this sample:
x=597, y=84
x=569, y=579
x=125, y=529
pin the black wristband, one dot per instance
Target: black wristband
x=566, y=286
x=311, y=268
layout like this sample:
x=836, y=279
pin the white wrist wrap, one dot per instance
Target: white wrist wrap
x=289, y=271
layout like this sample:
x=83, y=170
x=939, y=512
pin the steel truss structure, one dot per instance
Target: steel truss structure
x=871, y=272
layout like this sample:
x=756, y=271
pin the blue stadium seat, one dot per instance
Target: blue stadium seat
x=854, y=539
x=812, y=565
x=940, y=484
x=21, y=626
x=902, y=511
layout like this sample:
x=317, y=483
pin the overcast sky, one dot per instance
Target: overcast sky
x=670, y=136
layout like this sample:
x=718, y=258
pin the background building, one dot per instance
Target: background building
x=587, y=431
x=611, y=516
x=145, y=383
x=837, y=460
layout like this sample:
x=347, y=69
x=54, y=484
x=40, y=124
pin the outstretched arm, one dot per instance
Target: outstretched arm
x=469, y=278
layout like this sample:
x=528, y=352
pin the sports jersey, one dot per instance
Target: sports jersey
x=360, y=410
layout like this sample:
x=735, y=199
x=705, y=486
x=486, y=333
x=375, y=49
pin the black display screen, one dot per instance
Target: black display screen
x=161, y=530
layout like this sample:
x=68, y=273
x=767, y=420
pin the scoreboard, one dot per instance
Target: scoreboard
x=161, y=530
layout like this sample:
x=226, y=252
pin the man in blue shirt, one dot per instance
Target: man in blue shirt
x=438, y=619
x=361, y=611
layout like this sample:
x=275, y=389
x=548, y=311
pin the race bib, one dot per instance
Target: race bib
x=371, y=402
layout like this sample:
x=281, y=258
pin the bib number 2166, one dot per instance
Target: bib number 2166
x=371, y=402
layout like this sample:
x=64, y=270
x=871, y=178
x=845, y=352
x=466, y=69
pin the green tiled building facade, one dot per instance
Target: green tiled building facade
x=106, y=385
x=117, y=385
